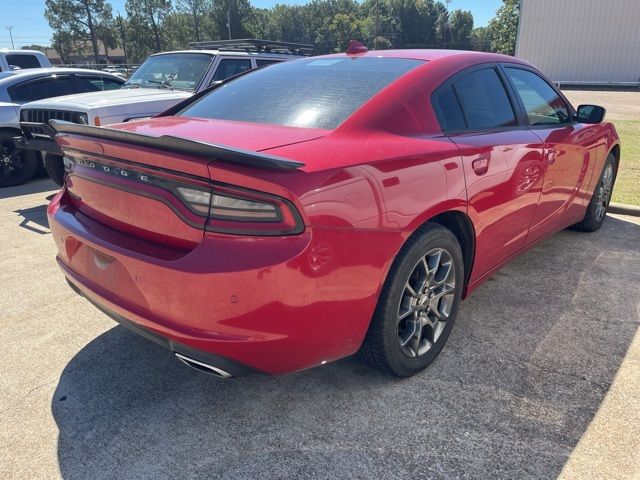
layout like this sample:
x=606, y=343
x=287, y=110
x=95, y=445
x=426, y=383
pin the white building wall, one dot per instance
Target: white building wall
x=581, y=40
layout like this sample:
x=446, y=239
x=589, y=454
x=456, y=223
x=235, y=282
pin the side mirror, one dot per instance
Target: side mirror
x=590, y=114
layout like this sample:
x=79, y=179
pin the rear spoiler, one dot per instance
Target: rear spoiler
x=179, y=145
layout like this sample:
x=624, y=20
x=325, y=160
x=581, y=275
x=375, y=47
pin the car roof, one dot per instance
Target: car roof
x=432, y=55
x=9, y=51
x=10, y=77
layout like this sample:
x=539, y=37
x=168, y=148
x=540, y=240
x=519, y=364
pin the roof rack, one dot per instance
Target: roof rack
x=255, y=45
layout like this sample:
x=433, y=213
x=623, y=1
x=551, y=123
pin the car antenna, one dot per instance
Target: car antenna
x=355, y=47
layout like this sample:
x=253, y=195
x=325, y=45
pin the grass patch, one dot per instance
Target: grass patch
x=627, y=188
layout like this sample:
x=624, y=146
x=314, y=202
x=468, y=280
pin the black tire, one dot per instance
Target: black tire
x=54, y=165
x=382, y=347
x=597, y=208
x=15, y=169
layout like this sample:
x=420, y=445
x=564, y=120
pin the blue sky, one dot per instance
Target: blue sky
x=30, y=26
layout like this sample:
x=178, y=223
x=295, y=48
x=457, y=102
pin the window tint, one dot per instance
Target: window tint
x=484, y=100
x=448, y=110
x=97, y=83
x=313, y=92
x=229, y=67
x=263, y=63
x=39, y=89
x=23, y=61
x=543, y=105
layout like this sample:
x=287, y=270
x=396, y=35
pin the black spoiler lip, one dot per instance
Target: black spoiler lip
x=179, y=145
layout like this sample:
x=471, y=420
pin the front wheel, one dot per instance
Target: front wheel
x=597, y=208
x=418, y=304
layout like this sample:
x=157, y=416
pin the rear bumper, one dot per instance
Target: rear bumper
x=270, y=304
x=230, y=367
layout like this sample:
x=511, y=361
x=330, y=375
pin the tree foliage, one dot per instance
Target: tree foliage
x=155, y=25
x=148, y=16
x=503, y=28
x=78, y=21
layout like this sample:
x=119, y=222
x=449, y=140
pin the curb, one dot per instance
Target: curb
x=624, y=209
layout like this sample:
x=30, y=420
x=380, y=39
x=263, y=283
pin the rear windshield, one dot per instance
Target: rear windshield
x=312, y=93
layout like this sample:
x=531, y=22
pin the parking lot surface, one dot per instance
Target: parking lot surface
x=537, y=379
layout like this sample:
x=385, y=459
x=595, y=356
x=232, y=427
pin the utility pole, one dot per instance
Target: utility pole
x=229, y=21
x=10, y=28
x=123, y=38
x=446, y=23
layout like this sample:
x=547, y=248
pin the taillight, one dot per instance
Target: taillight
x=244, y=212
x=221, y=208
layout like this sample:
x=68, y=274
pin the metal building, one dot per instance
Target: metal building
x=582, y=41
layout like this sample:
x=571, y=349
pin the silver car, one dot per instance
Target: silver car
x=22, y=86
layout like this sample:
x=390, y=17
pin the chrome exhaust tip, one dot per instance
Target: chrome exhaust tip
x=201, y=366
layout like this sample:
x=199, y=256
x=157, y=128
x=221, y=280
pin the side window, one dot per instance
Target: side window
x=91, y=83
x=229, y=67
x=23, y=60
x=542, y=103
x=484, y=100
x=39, y=89
x=264, y=62
x=448, y=110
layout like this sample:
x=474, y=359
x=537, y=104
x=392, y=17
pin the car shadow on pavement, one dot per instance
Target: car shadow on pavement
x=532, y=356
x=34, y=219
x=35, y=186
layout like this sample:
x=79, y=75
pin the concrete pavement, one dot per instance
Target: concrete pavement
x=540, y=377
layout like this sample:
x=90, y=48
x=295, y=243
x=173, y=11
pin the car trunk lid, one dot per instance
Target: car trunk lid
x=129, y=178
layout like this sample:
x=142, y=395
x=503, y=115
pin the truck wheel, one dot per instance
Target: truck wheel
x=16, y=166
x=54, y=165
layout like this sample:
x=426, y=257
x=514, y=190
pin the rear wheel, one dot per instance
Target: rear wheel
x=597, y=209
x=418, y=304
x=54, y=165
x=16, y=166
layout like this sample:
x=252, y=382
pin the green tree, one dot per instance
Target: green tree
x=480, y=39
x=107, y=35
x=258, y=23
x=79, y=18
x=231, y=18
x=343, y=28
x=503, y=28
x=377, y=24
x=149, y=16
x=64, y=42
x=196, y=9
x=461, y=27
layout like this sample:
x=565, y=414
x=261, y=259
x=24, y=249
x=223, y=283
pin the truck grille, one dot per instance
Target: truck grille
x=38, y=115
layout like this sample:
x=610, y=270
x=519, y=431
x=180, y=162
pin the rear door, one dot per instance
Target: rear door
x=502, y=160
x=569, y=150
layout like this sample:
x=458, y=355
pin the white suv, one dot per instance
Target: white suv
x=162, y=81
x=17, y=87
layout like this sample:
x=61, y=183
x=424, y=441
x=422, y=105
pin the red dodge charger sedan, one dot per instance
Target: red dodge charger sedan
x=316, y=208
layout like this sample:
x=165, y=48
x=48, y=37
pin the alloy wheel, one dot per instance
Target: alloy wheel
x=604, y=192
x=425, y=303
